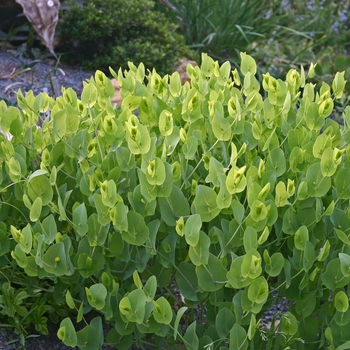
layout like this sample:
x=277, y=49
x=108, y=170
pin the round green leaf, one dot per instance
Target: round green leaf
x=138, y=232
x=224, y=322
x=317, y=184
x=288, y=325
x=155, y=173
x=236, y=182
x=89, y=95
x=192, y=227
x=251, y=266
x=67, y=333
x=258, y=211
x=342, y=184
x=205, y=204
x=301, y=237
x=39, y=186
x=238, y=338
x=276, y=265
x=211, y=277
x=199, y=254
x=247, y=64
x=35, y=210
x=55, y=260
x=96, y=295
x=80, y=220
x=341, y=301
x=133, y=306
x=162, y=311
x=258, y=291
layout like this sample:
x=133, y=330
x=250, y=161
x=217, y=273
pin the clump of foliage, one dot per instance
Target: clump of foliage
x=101, y=33
x=214, y=190
x=224, y=28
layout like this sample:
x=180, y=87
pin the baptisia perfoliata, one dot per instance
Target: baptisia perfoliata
x=218, y=196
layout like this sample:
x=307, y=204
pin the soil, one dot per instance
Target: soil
x=40, y=75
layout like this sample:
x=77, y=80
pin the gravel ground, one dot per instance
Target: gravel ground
x=39, y=78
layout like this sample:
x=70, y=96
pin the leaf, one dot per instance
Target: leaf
x=26, y=239
x=317, y=184
x=189, y=149
x=235, y=276
x=342, y=184
x=322, y=142
x=236, y=181
x=221, y=127
x=187, y=281
x=224, y=322
x=4, y=240
x=150, y=288
x=250, y=238
x=96, y=295
x=288, y=325
x=345, y=264
x=174, y=206
x=80, y=220
x=119, y=216
x=155, y=173
x=67, y=333
x=133, y=305
x=88, y=338
x=191, y=338
x=192, y=227
x=276, y=265
x=177, y=320
x=328, y=167
x=238, y=210
x=55, y=260
x=35, y=210
x=205, y=204
x=251, y=265
x=333, y=276
x=211, y=277
x=89, y=95
x=276, y=161
x=324, y=252
x=281, y=196
x=199, y=254
x=238, y=338
x=109, y=193
x=137, y=279
x=301, y=237
x=69, y=300
x=258, y=211
x=162, y=311
x=247, y=64
x=96, y=233
x=307, y=307
x=138, y=232
x=102, y=210
x=258, y=291
x=39, y=186
x=344, y=346
x=341, y=301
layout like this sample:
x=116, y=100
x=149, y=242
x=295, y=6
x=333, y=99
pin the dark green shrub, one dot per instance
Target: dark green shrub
x=103, y=33
x=213, y=191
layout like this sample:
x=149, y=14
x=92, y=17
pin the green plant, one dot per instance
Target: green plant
x=224, y=28
x=100, y=34
x=210, y=190
x=322, y=19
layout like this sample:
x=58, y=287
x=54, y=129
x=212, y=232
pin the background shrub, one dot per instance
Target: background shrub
x=102, y=33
